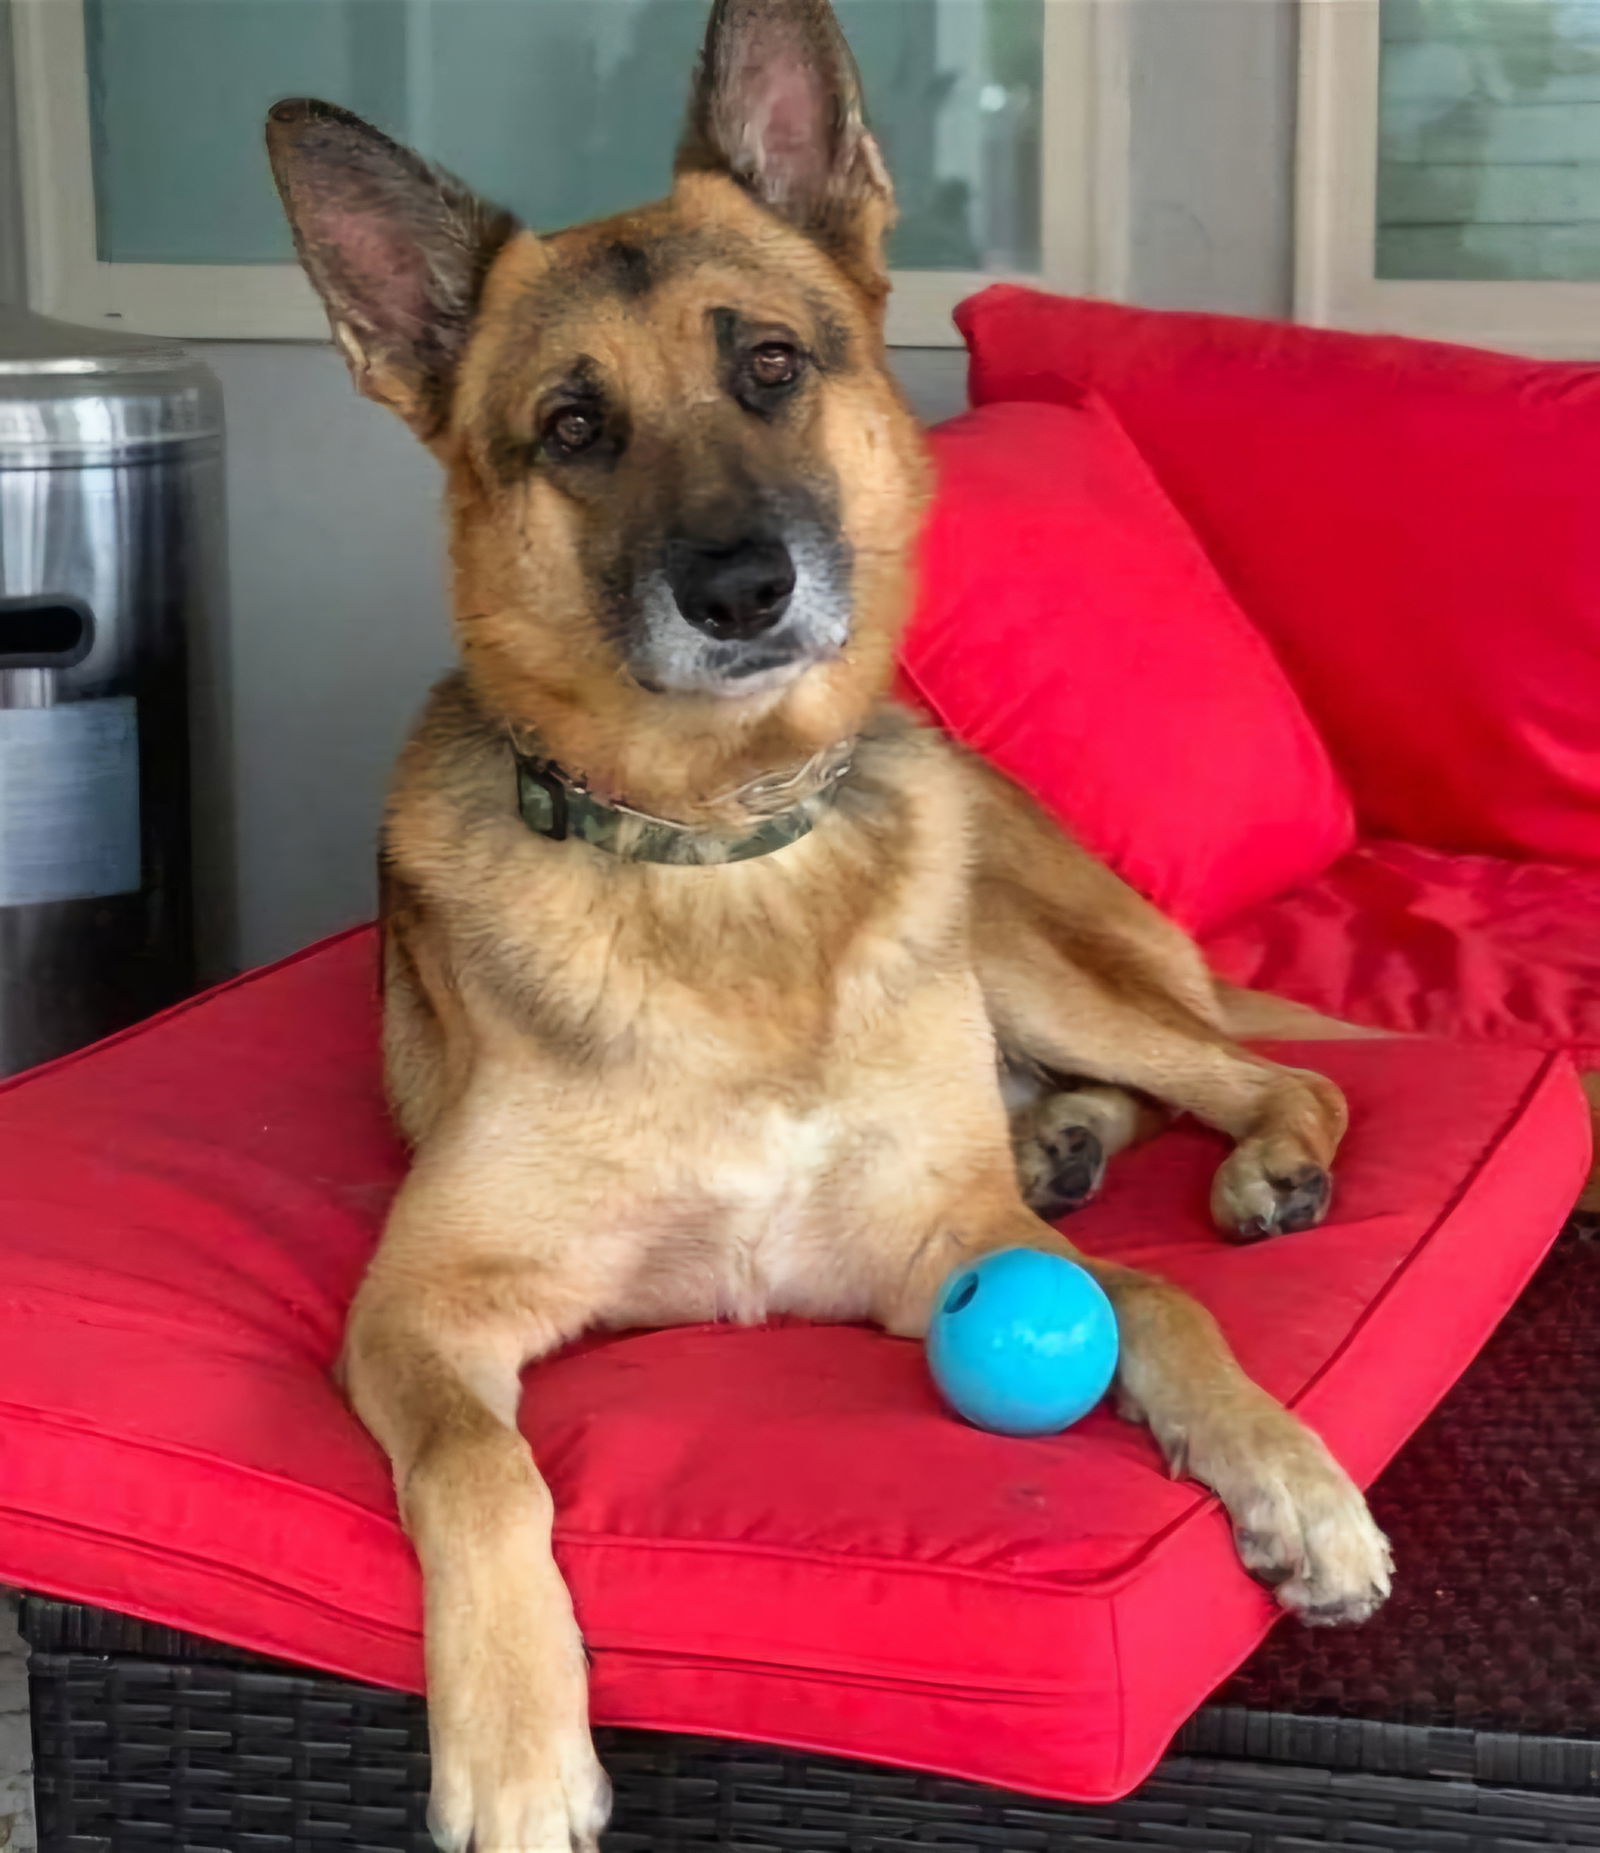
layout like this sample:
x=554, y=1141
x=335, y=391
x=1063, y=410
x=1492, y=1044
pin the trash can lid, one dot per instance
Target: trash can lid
x=80, y=395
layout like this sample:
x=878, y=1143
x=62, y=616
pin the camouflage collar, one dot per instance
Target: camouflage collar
x=556, y=806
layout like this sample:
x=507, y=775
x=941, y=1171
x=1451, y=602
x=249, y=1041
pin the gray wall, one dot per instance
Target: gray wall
x=336, y=621
x=335, y=625
x=13, y=283
x=1213, y=87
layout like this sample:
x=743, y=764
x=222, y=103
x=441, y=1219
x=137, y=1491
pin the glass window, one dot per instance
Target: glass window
x=559, y=109
x=1489, y=140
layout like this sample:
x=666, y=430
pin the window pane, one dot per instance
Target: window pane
x=561, y=109
x=1489, y=140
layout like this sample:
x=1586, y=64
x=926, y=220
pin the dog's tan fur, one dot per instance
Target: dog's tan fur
x=644, y=1094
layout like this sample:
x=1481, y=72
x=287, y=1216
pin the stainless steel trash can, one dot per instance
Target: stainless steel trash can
x=110, y=555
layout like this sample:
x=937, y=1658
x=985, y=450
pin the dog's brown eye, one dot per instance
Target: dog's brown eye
x=774, y=363
x=572, y=431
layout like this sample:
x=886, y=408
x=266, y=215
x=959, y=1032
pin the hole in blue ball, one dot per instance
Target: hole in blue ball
x=961, y=1293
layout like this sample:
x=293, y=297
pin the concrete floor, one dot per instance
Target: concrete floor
x=16, y=1748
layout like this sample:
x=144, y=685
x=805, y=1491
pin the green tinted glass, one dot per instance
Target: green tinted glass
x=560, y=109
x=1489, y=140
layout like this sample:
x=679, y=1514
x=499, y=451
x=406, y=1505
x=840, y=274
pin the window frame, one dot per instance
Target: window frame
x=1336, y=285
x=1084, y=154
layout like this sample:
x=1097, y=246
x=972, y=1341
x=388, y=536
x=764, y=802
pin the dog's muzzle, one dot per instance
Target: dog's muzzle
x=740, y=620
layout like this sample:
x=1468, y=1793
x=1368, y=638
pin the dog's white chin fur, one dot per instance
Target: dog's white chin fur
x=767, y=685
x=678, y=660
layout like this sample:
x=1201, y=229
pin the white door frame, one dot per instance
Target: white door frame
x=1336, y=217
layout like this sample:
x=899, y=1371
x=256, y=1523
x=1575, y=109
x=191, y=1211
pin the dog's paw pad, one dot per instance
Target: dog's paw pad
x=1068, y=1166
x=1295, y=1203
x=1259, y=1193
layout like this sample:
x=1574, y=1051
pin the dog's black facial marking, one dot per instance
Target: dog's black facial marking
x=511, y=455
x=627, y=268
x=725, y=326
x=763, y=365
x=832, y=344
x=580, y=426
x=576, y=425
x=631, y=265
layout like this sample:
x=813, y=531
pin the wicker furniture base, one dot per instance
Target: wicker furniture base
x=137, y=1753
x=1464, y=1719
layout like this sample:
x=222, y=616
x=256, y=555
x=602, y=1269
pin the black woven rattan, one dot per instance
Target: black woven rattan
x=1465, y=1719
x=1494, y=1513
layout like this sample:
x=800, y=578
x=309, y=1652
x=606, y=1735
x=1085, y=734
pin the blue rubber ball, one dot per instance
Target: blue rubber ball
x=1022, y=1342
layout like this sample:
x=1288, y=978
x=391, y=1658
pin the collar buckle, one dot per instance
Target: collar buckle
x=542, y=798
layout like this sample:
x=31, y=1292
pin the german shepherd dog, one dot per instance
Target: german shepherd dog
x=703, y=962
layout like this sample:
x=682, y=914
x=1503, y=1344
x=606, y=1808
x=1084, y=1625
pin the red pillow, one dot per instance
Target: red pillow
x=1071, y=630
x=1415, y=527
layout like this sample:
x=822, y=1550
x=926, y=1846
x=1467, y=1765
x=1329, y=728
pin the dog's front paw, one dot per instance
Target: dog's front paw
x=548, y=1795
x=1270, y=1187
x=1303, y=1529
x=514, y=1768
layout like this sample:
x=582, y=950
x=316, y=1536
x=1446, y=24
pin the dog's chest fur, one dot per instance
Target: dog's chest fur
x=751, y=1058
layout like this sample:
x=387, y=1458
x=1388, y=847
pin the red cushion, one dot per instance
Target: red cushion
x=772, y=1534
x=1072, y=631
x=1414, y=526
x=1412, y=939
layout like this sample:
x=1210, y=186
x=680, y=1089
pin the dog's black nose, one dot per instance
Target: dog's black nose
x=731, y=592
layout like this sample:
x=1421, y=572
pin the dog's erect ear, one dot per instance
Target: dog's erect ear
x=777, y=104
x=397, y=250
